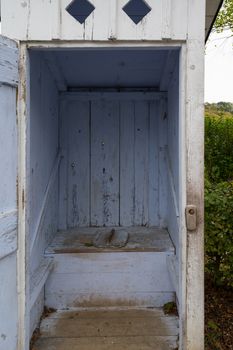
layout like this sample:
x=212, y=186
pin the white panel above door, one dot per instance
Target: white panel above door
x=108, y=21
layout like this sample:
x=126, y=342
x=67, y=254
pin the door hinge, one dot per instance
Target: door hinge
x=191, y=217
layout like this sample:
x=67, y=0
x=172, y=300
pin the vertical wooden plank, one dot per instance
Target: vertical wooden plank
x=127, y=176
x=113, y=19
x=166, y=22
x=172, y=159
x=195, y=173
x=95, y=28
x=182, y=252
x=162, y=164
x=9, y=303
x=63, y=182
x=179, y=19
x=39, y=11
x=78, y=164
x=141, y=162
x=153, y=164
x=23, y=196
x=105, y=163
x=8, y=194
x=56, y=19
x=14, y=18
x=8, y=149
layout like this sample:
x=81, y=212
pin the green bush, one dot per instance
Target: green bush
x=219, y=148
x=219, y=231
x=219, y=194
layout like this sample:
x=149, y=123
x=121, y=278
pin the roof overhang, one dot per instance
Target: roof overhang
x=212, y=9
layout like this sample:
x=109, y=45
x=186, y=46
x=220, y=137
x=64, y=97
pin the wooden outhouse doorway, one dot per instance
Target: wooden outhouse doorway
x=104, y=142
x=101, y=192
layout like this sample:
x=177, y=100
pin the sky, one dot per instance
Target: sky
x=219, y=68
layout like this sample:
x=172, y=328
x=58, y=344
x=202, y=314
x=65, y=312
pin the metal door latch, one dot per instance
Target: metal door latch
x=191, y=217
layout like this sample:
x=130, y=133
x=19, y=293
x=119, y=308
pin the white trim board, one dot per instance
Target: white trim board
x=121, y=95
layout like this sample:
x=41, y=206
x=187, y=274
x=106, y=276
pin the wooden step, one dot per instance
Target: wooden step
x=81, y=240
x=110, y=343
x=135, y=275
x=98, y=329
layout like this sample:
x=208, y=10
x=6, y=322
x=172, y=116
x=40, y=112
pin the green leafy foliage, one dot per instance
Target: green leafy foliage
x=219, y=231
x=225, y=17
x=213, y=336
x=219, y=147
x=219, y=194
x=219, y=108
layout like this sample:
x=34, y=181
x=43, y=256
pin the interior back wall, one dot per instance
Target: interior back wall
x=110, y=175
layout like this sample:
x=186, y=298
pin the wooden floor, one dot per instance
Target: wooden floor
x=108, y=329
x=81, y=240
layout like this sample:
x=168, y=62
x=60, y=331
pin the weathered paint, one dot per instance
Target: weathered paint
x=180, y=155
x=8, y=194
x=42, y=166
x=21, y=20
x=23, y=178
x=195, y=176
x=112, y=148
x=135, y=274
x=109, y=279
x=115, y=329
x=169, y=167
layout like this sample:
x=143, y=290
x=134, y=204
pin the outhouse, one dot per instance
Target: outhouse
x=101, y=187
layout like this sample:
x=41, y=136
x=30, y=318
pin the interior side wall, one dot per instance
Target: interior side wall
x=113, y=170
x=172, y=157
x=44, y=151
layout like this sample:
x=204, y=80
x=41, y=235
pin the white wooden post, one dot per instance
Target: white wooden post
x=195, y=174
x=182, y=198
x=23, y=242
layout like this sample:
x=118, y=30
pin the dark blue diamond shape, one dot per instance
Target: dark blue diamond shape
x=137, y=10
x=80, y=9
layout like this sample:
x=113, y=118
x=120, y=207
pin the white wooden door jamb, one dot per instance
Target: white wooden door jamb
x=23, y=247
x=195, y=174
x=182, y=199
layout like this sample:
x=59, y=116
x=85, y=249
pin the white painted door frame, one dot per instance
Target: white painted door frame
x=194, y=131
x=23, y=195
x=191, y=171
